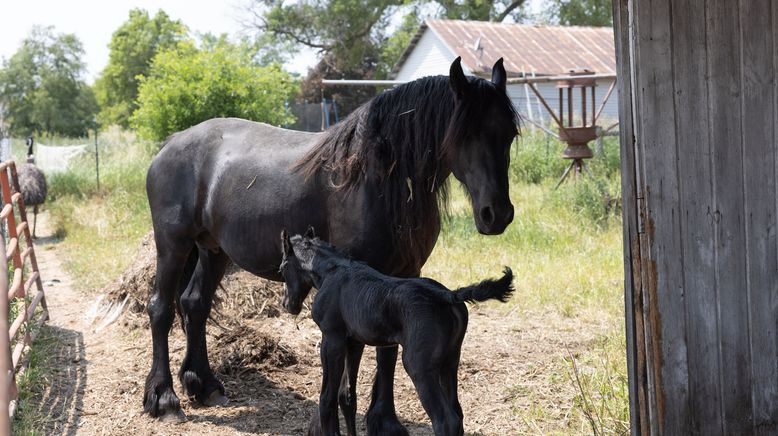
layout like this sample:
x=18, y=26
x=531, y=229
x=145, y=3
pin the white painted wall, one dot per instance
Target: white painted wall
x=430, y=57
x=550, y=93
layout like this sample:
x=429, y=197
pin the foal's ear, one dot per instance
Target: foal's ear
x=457, y=79
x=310, y=233
x=286, y=244
x=499, y=77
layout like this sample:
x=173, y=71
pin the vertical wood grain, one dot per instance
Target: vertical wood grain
x=725, y=135
x=758, y=115
x=697, y=216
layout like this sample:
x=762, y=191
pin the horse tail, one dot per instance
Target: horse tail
x=186, y=277
x=491, y=289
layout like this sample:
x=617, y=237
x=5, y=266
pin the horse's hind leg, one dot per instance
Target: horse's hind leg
x=159, y=399
x=196, y=375
x=381, y=416
x=347, y=395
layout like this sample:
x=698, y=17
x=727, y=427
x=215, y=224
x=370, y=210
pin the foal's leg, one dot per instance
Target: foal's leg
x=450, y=383
x=195, y=374
x=333, y=356
x=159, y=398
x=381, y=415
x=428, y=378
x=347, y=395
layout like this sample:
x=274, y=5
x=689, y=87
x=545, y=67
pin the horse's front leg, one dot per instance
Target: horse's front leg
x=159, y=398
x=333, y=356
x=195, y=374
x=381, y=415
x=347, y=395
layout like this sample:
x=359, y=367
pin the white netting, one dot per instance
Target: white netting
x=54, y=159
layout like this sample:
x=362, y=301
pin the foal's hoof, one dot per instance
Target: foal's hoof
x=216, y=399
x=176, y=417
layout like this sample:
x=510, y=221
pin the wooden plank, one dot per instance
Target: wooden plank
x=629, y=203
x=663, y=292
x=759, y=155
x=640, y=250
x=725, y=135
x=695, y=171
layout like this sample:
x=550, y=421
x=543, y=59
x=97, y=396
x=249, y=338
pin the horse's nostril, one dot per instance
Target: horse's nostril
x=487, y=215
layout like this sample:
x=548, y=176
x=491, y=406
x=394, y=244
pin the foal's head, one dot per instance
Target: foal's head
x=296, y=268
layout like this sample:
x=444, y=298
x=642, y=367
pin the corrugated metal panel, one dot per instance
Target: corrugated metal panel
x=429, y=58
x=544, y=50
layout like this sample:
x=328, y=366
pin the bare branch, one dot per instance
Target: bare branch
x=511, y=7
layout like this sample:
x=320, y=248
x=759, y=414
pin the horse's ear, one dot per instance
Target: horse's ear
x=456, y=77
x=499, y=77
x=310, y=233
x=286, y=244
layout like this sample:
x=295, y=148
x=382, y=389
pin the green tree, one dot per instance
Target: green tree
x=132, y=47
x=41, y=86
x=581, y=12
x=187, y=85
x=350, y=31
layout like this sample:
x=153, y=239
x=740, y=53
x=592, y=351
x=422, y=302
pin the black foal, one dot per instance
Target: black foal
x=356, y=306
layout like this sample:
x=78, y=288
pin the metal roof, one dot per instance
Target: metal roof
x=543, y=50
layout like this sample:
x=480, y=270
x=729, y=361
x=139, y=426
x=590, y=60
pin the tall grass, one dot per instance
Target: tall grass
x=564, y=247
x=100, y=229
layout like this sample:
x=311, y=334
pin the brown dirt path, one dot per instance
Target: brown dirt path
x=96, y=385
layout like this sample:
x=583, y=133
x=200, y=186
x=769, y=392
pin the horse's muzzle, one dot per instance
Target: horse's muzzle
x=493, y=220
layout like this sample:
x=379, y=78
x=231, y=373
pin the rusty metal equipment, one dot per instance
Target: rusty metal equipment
x=18, y=334
x=577, y=136
x=577, y=132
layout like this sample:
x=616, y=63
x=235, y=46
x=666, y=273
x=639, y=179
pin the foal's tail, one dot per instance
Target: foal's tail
x=499, y=289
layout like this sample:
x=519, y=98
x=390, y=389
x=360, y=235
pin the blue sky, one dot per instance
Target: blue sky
x=93, y=21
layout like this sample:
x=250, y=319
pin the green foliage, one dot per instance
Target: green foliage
x=132, y=47
x=187, y=85
x=347, y=32
x=96, y=249
x=567, y=265
x=581, y=12
x=41, y=88
x=394, y=46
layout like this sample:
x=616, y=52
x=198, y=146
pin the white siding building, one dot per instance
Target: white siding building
x=527, y=50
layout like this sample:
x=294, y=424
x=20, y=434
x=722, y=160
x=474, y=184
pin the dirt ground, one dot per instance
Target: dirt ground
x=269, y=364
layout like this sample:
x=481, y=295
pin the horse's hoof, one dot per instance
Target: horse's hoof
x=176, y=417
x=216, y=399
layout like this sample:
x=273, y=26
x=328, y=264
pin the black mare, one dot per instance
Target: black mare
x=356, y=305
x=224, y=189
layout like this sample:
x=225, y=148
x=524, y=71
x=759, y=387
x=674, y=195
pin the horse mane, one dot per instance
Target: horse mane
x=402, y=139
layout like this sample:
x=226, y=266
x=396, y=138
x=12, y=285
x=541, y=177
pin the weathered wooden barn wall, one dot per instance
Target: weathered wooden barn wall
x=698, y=107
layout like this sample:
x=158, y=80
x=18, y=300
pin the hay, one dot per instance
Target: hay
x=241, y=296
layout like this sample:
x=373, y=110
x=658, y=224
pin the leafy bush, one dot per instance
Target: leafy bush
x=187, y=85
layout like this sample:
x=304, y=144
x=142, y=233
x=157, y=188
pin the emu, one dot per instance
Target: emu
x=356, y=306
x=32, y=183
